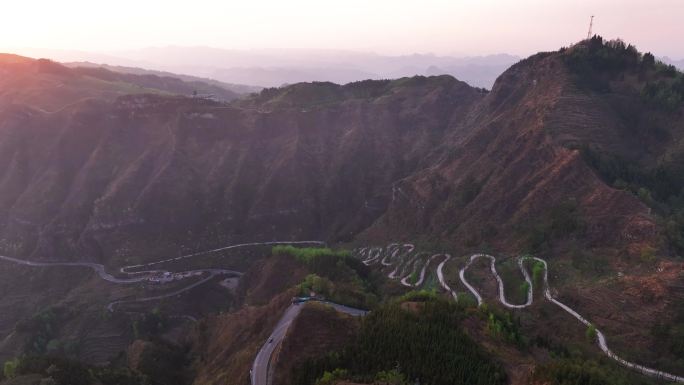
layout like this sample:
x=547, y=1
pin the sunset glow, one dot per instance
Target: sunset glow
x=385, y=26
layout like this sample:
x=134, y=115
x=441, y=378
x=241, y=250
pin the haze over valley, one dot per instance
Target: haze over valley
x=274, y=68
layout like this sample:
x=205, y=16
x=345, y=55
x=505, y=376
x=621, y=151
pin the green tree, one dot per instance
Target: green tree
x=591, y=333
x=330, y=378
x=414, y=278
x=317, y=284
x=648, y=61
x=391, y=377
x=537, y=272
x=524, y=288
x=433, y=349
x=9, y=370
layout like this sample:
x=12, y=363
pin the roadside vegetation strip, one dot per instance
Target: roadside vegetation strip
x=200, y=253
x=309, y=254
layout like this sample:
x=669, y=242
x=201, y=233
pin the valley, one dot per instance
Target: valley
x=152, y=235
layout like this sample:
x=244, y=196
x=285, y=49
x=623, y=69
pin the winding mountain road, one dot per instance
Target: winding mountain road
x=262, y=370
x=370, y=255
x=98, y=268
x=157, y=276
x=499, y=281
x=401, y=265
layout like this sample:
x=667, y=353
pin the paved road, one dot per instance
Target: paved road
x=126, y=269
x=499, y=281
x=442, y=281
x=601, y=338
x=262, y=368
x=158, y=276
x=345, y=309
x=111, y=306
x=151, y=276
x=98, y=268
x=405, y=264
x=421, y=278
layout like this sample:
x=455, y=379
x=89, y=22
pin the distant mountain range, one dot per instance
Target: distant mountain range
x=202, y=84
x=246, y=71
x=273, y=68
x=677, y=63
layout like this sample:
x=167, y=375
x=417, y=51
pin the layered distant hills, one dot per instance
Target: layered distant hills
x=677, y=63
x=274, y=68
x=49, y=85
x=204, y=85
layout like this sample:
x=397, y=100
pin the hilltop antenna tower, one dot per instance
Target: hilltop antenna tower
x=591, y=26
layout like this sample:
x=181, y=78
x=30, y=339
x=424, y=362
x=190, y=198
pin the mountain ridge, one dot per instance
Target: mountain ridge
x=573, y=155
x=441, y=116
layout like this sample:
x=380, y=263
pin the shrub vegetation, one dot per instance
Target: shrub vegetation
x=426, y=347
x=660, y=187
x=309, y=254
x=336, y=275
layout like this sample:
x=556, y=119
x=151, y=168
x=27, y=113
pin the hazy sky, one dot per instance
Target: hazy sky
x=466, y=27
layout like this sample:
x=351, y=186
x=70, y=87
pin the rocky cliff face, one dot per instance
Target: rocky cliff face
x=137, y=176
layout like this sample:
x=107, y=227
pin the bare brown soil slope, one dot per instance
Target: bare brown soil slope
x=510, y=159
x=101, y=179
x=317, y=331
x=50, y=86
x=227, y=344
x=270, y=277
